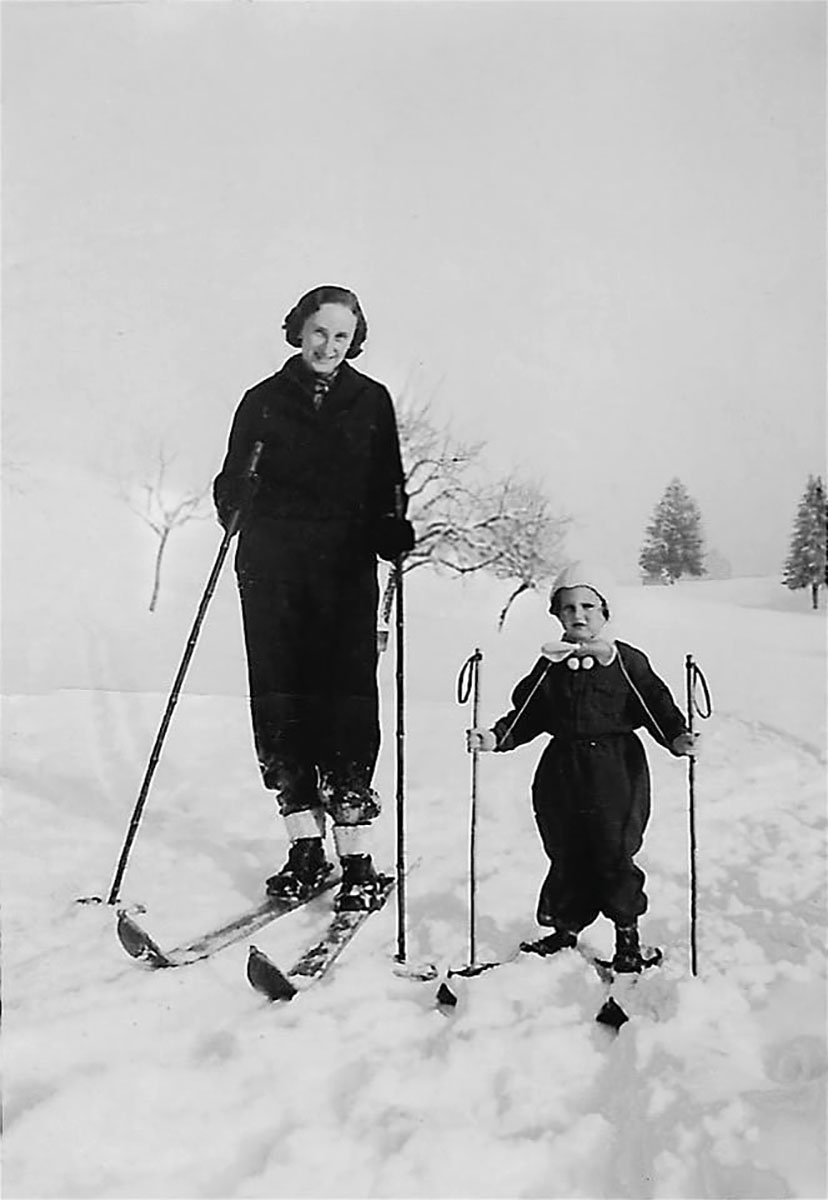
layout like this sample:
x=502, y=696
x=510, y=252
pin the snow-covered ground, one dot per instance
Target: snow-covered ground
x=121, y=1082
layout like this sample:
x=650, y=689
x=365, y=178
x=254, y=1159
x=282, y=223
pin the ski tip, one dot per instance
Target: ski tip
x=266, y=977
x=138, y=943
x=612, y=1015
x=446, y=997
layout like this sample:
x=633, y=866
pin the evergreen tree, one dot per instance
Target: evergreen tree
x=674, y=544
x=805, y=565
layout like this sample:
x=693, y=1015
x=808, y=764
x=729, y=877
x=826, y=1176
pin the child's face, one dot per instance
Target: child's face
x=580, y=613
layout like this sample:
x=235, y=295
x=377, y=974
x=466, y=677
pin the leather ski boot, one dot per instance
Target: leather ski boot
x=559, y=939
x=628, y=957
x=361, y=884
x=306, y=868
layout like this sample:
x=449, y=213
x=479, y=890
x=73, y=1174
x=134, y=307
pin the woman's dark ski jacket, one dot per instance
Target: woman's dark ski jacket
x=336, y=467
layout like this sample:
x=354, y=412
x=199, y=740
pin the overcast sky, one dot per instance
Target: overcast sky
x=596, y=230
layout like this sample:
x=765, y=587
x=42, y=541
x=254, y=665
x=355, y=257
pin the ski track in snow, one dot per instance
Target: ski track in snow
x=121, y=1082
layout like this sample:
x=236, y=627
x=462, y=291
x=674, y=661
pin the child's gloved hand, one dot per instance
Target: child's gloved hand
x=687, y=744
x=480, y=739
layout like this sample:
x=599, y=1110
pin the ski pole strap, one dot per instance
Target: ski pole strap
x=696, y=680
x=468, y=676
x=250, y=478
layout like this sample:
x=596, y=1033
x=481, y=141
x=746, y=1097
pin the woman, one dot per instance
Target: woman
x=327, y=498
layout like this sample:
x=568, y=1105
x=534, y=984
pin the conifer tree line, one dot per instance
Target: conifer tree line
x=805, y=566
x=674, y=541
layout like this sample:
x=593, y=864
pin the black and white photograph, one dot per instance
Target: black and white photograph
x=414, y=531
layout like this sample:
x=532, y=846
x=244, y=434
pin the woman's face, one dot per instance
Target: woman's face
x=327, y=336
x=580, y=613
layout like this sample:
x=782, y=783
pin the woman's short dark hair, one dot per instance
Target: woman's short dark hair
x=312, y=301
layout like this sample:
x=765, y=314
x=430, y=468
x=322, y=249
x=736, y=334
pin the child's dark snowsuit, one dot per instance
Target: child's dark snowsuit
x=591, y=790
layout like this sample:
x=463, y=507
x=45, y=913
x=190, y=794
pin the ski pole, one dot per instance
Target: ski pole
x=468, y=684
x=400, y=737
x=229, y=533
x=693, y=679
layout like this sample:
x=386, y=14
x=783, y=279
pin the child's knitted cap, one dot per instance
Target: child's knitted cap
x=584, y=574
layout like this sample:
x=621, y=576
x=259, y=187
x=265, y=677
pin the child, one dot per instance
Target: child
x=591, y=790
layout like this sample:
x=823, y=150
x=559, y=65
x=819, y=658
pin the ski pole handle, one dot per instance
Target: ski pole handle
x=249, y=472
x=399, y=502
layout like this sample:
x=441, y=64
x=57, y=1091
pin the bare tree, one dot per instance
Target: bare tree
x=466, y=523
x=164, y=508
x=438, y=472
x=529, y=537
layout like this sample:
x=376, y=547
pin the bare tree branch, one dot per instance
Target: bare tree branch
x=464, y=521
x=163, y=508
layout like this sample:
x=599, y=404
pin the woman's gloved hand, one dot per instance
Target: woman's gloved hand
x=235, y=494
x=393, y=536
